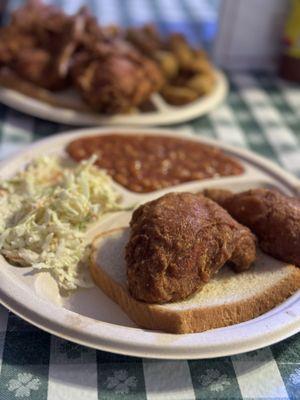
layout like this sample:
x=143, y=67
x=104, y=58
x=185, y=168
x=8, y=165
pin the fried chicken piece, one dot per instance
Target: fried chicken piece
x=109, y=73
x=115, y=78
x=178, y=242
x=12, y=44
x=22, y=44
x=36, y=65
x=29, y=16
x=39, y=42
x=272, y=216
x=59, y=47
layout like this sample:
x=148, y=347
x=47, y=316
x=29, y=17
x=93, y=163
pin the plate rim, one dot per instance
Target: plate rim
x=123, y=345
x=172, y=114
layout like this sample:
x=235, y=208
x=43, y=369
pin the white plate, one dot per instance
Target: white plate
x=90, y=318
x=164, y=115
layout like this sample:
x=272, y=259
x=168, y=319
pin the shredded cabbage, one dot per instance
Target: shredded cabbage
x=45, y=212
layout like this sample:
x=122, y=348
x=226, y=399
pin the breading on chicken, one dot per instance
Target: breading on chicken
x=114, y=77
x=272, y=216
x=178, y=242
x=33, y=43
x=110, y=74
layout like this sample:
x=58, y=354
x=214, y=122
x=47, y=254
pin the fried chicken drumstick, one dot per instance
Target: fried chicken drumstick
x=178, y=242
x=272, y=216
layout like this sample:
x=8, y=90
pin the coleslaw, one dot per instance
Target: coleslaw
x=46, y=210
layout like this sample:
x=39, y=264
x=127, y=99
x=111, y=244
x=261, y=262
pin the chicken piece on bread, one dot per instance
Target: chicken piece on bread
x=178, y=242
x=271, y=215
x=227, y=299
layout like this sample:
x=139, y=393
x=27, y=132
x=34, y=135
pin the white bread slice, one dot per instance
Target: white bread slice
x=227, y=299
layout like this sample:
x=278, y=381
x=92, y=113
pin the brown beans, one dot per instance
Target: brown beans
x=144, y=163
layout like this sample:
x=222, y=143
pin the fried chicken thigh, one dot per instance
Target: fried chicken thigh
x=178, y=242
x=272, y=216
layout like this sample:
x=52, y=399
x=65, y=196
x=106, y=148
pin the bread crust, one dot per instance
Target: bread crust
x=158, y=317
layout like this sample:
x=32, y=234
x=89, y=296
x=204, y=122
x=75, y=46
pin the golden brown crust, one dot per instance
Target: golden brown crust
x=158, y=317
x=271, y=215
x=178, y=242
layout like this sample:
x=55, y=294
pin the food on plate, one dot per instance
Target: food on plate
x=53, y=50
x=45, y=212
x=178, y=95
x=10, y=79
x=178, y=243
x=115, y=80
x=174, y=247
x=227, y=299
x=187, y=71
x=113, y=70
x=110, y=74
x=35, y=42
x=144, y=163
x=272, y=216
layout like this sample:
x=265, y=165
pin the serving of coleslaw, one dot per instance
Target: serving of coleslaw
x=46, y=209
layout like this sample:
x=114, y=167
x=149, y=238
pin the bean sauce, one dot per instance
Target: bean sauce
x=145, y=163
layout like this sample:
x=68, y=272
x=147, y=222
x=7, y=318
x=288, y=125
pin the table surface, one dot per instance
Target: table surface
x=261, y=113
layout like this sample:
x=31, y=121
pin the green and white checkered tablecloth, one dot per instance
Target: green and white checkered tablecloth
x=262, y=114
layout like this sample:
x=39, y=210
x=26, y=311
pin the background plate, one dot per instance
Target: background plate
x=90, y=318
x=165, y=114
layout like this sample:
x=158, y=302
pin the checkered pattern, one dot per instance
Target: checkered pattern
x=262, y=114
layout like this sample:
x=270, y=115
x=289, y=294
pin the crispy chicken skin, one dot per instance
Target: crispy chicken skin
x=34, y=42
x=272, y=216
x=110, y=74
x=178, y=242
x=117, y=81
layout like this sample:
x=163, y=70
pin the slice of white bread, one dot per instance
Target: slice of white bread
x=227, y=299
